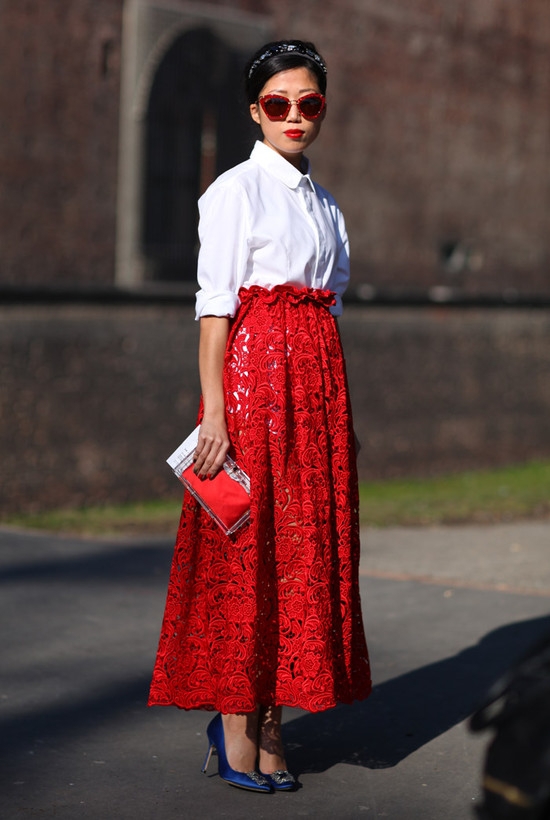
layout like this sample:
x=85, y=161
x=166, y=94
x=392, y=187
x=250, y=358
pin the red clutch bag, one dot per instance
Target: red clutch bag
x=226, y=497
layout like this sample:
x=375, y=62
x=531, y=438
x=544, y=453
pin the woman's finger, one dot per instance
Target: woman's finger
x=210, y=453
x=210, y=465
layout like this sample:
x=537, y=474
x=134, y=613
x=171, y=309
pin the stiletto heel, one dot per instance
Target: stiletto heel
x=211, y=749
x=253, y=781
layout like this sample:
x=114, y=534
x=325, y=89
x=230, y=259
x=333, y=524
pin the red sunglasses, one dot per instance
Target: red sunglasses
x=276, y=107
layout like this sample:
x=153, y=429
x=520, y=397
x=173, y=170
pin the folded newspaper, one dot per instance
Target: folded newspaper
x=226, y=497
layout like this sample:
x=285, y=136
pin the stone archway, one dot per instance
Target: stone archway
x=196, y=127
x=180, y=126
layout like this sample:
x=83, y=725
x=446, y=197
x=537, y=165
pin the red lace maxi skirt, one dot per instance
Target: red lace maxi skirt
x=272, y=614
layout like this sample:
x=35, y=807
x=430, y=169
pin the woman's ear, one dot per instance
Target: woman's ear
x=255, y=112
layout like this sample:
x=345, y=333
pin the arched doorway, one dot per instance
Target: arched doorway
x=197, y=126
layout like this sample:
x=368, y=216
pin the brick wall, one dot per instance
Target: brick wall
x=94, y=398
x=438, y=133
x=439, y=390
x=59, y=85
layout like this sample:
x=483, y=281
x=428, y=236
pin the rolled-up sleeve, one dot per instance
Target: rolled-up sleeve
x=223, y=255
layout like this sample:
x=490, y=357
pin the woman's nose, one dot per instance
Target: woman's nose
x=294, y=113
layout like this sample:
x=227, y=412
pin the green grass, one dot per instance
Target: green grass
x=144, y=518
x=486, y=496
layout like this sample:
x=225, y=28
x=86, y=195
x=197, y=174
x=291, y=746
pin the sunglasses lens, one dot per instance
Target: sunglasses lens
x=311, y=107
x=275, y=107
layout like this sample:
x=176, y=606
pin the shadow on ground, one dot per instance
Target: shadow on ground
x=405, y=713
x=402, y=714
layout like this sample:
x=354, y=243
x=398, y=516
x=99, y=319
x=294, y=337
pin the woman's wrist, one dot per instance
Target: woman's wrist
x=214, y=413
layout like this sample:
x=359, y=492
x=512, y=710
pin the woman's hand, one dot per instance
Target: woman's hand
x=212, y=447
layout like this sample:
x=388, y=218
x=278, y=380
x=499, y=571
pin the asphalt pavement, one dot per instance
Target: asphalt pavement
x=446, y=611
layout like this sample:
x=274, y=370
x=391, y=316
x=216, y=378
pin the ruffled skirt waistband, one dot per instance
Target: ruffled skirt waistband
x=290, y=293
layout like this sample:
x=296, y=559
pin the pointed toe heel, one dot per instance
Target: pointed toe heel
x=281, y=780
x=252, y=781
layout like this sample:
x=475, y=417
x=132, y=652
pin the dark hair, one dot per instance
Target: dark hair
x=282, y=55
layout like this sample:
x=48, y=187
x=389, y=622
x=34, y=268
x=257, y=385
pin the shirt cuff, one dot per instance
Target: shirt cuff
x=224, y=303
x=338, y=308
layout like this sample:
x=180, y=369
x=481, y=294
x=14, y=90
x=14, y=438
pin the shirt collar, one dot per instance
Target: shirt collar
x=275, y=164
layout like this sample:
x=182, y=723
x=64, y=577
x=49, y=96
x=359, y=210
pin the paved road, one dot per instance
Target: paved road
x=446, y=610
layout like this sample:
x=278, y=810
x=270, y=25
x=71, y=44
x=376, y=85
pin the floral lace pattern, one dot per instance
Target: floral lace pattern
x=272, y=614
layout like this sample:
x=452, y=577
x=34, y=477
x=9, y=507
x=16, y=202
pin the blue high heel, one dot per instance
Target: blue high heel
x=281, y=780
x=253, y=781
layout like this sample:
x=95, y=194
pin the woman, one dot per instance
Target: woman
x=271, y=615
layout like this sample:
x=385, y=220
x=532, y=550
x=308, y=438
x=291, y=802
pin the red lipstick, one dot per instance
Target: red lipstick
x=294, y=133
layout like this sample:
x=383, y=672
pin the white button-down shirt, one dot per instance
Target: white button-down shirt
x=265, y=223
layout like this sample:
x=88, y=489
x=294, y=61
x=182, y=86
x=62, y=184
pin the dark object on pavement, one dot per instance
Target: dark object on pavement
x=516, y=776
